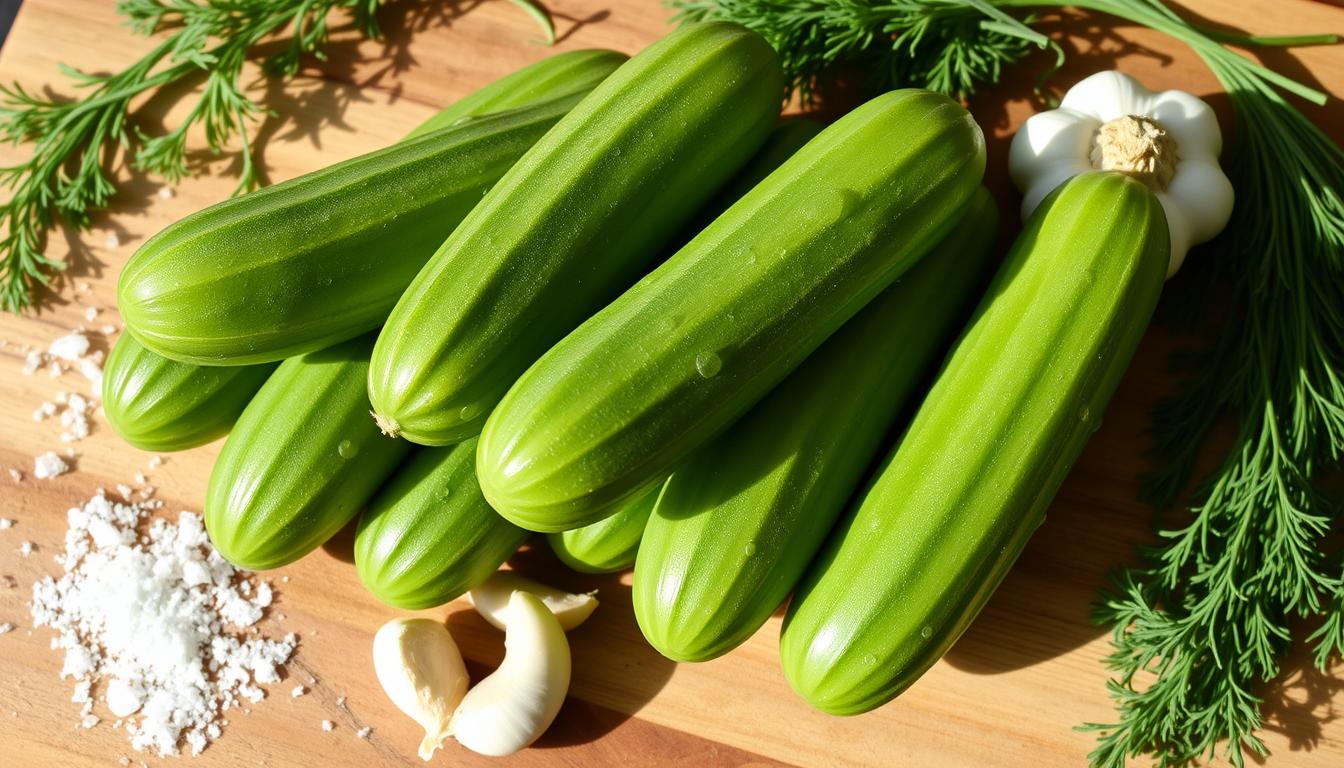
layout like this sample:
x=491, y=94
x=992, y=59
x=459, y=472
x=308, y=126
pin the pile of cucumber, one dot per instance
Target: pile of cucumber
x=619, y=302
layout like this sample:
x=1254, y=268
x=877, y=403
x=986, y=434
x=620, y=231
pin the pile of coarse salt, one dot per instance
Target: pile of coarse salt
x=152, y=614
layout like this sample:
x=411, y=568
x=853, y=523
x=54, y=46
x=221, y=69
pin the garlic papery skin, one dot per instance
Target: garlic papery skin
x=1168, y=140
x=492, y=597
x=516, y=703
x=421, y=669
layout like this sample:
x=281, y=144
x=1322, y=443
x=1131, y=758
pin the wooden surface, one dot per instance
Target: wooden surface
x=1008, y=694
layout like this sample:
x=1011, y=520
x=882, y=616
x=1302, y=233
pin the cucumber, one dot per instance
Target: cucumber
x=954, y=503
x=608, y=545
x=301, y=461
x=429, y=536
x=575, y=222
x=157, y=404
x=676, y=359
x=323, y=257
x=784, y=141
x=739, y=522
x=564, y=74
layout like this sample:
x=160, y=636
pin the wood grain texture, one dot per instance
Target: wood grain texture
x=1008, y=694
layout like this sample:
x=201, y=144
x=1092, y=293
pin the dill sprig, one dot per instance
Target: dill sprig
x=1207, y=617
x=76, y=142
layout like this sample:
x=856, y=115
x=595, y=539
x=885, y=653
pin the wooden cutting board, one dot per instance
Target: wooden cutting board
x=1008, y=694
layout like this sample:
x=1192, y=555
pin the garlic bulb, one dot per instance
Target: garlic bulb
x=492, y=597
x=421, y=670
x=1168, y=140
x=512, y=707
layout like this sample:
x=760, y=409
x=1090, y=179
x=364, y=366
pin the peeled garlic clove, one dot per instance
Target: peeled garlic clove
x=512, y=707
x=421, y=670
x=491, y=599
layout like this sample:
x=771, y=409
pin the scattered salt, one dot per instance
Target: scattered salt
x=6, y=523
x=71, y=347
x=31, y=362
x=328, y=726
x=90, y=314
x=155, y=462
x=6, y=628
x=112, y=240
x=298, y=691
x=140, y=478
x=16, y=474
x=166, y=193
x=107, y=329
x=75, y=419
x=49, y=465
x=27, y=548
x=82, y=287
x=364, y=732
x=151, y=620
x=92, y=370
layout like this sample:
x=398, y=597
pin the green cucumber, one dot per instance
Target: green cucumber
x=955, y=502
x=738, y=523
x=608, y=545
x=429, y=536
x=624, y=398
x=564, y=74
x=301, y=462
x=323, y=257
x=574, y=223
x=157, y=404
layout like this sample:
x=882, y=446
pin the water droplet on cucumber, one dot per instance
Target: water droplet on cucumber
x=708, y=364
x=347, y=449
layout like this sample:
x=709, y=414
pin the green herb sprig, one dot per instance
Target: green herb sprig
x=76, y=141
x=1207, y=616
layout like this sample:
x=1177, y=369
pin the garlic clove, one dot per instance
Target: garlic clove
x=492, y=597
x=515, y=704
x=421, y=670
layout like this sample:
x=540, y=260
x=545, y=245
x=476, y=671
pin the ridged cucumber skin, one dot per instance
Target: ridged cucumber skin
x=610, y=544
x=301, y=462
x=953, y=505
x=322, y=257
x=429, y=535
x=157, y=404
x=738, y=523
x=685, y=352
x=784, y=141
x=564, y=74
x=577, y=220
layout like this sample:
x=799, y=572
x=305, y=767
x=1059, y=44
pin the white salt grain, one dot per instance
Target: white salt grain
x=90, y=314
x=140, y=478
x=71, y=347
x=166, y=193
x=49, y=465
x=150, y=619
x=298, y=691
x=15, y=474
x=6, y=523
x=31, y=362
x=155, y=462
x=112, y=240
x=6, y=628
x=27, y=548
x=328, y=726
x=364, y=732
x=108, y=329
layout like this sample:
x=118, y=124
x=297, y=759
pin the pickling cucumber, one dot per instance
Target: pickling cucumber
x=955, y=502
x=619, y=402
